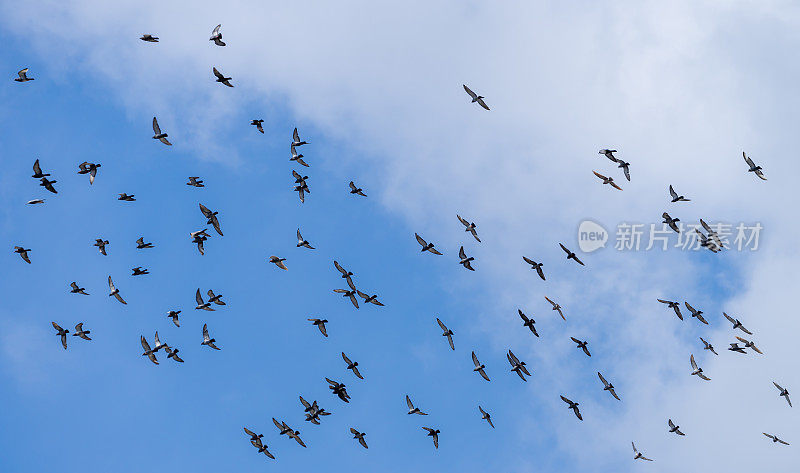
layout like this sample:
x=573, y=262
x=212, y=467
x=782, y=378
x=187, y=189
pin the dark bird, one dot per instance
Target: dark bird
x=571, y=255
x=775, y=438
x=607, y=180
x=369, y=299
x=149, y=38
x=696, y=313
x=582, y=345
x=158, y=135
x=446, y=332
x=674, y=429
x=114, y=291
x=517, y=366
x=338, y=389
x=708, y=346
x=412, y=409
x=23, y=253
x=297, y=157
x=200, y=238
x=313, y=411
x=435, y=434
x=737, y=324
x=200, y=304
x=125, y=197
x=288, y=431
x=23, y=76
x=637, y=455
x=465, y=260
x=479, y=367
x=48, y=184
x=697, y=371
x=351, y=293
x=736, y=348
x=625, y=167
x=706, y=242
x=207, y=340
x=608, y=386
x=476, y=98
x=486, y=416
x=140, y=244
x=359, y=436
x=101, y=245
x=783, y=393
x=278, y=262
x=426, y=246
x=676, y=197
x=320, y=324
x=138, y=271
x=195, y=181
x=674, y=305
x=216, y=36
x=214, y=299
x=173, y=353
x=296, y=139
x=352, y=365
x=77, y=290
x=711, y=233
x=302, y=186
x=258, y=125
x=253, y=435
x=470, y=227
x=753, y=168
x=356, y=190
x=61, y=332
x=80, y=332
x=148, y=352
x=528, y=322
x=573, y=406
x=536, y=266
x=556, y=307
x=671, y=222
x=90, y=169
x=212, y=218
x=302, y=241
x=345, y=274
x=222, y=79
x=35, y=201
x=173, y=314
x=749, y=344
x=37, y=171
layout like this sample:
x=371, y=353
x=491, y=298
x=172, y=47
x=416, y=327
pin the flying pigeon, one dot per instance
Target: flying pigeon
x=674, y=306
x=476, y=98
x=608, y=386
x=783, y=393
x=412, y=409
x=114, y=291
x=48, y=184
x=674, y=429
x=356, y=190
x=90, y=169
x=200, y=304
x=278, y=262
x=696, y=313
x=302, y=241
x=697, y=370
x=573, y=406
x=571, y=255
x=517, y=366
x=676, y=197
x=23, y=76
x=607, y=180
x=216, y=36
x=258, y=125
x=338, y=389
x=296, y=139
x=80, y=332
x=486, y=416
x=195, y=181
x=320, y=324
x=556, y=307
x=708, y=346
x=297, y=157
x=536, y=266
x=148, y=352
x=158, y=135
x=351, y=365
x=465, y=261
x=753, y=168
x=61, y=332
x=212, y=218
x=140, y=244
x=126, y=198
x=426, y=246
x=775, y=438
x=637, y=455
x=479, y=367
x=351, y=293
x=446, y=332
x=470, y=227
x=101, y=245
x=671, y=222
x=207, y=340
x=737, y=324
x=582, y=345
x=173, y=314
x=222, y=79
x=359, y=436
x=23, y=253
x=77, y=290
x=149, y=38
x=435, y=434
x=528, y=322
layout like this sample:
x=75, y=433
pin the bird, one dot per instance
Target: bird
x=476, y=98
x=582, y=345
x=338, y=389
x=158, y=344
x=736, y=348
x=320, y=324
x=433, y=433
x=313, y=411
x=351, y=293
x=148, y=352
x=207, y=340
x=101, y=245
x=573, y=406
x=470, y=227
x=674, y=429
x=216, y=36
x=221, y=78
x=214, y=299
x=298, y=158
x=737, y=324
x=199, y=238
x=140, y=244
x=90, y=169
x=35, y=201
x=288, y=431
x=674, y=305
x=173, y=314
x=775, y=438
x=607, y=180
x=278, y=262
x=356, y=190
x=711, y=233
x=753, y=168
x=158, y=135
x=697, y=370
x=369, y=299
x=258, y=124
x=671, y=222
x=486, y=416
x=138, y=271
x=571, y=255
x=705, y=242
x=359, y=436
x=750, y=344
x=708, y=346
x=783, y=393
x=23, y=253
x=114, y=291
x=212, y=218
x=556, y=307
x=302, y=186
x=465, y=261
x=345, y=273
x=302, y=241
x=625, y=168
x=517, y=366
x=61, y=332
x=77, y=290
x=296, y=139
x=80, y=332
x=479, y=367
x=446, y=332
x=637, y=455
x=125, y=197
x=609, y=153
x=352, y=366
x=528, y=322
x=412, y=409
x=195, y=181
x=200, y=304
x=608, y=386
x=48, y=184
x=426, y=246
x=696, y=313
x=676, y=197
x=23, y=76
x=253, y=435
x=536, y=266
x=173, y=353
x=149, y=38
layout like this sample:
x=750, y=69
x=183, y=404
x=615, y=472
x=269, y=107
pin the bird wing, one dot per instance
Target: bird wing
x=475, y=360
x=420, y=240
x=443, y=326
x=463, y=222
x=672, y=192
x=599, y=175
x=198, y=297
x=747, y=160
x=111, y=284
x=296, y=136
x=207, y=213
x=614, y=185
x=217, y=73
x=605, y=383
x=205, y=332
x=461, y=253
x=216, y=30
x=353, y=186
x=470, y=92
x=36, y=168
x=528, y=260
x=564, y=248
x=450, y=341
x=691, y=360
x=156, y=128
x=483, y=104
x=434, y=251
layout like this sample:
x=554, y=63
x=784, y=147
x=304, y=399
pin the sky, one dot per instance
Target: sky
x=679, y=89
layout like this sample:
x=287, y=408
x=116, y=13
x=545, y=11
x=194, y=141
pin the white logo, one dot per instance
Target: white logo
x=591, y=236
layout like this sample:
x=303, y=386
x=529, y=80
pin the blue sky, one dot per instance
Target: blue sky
x=390, y=114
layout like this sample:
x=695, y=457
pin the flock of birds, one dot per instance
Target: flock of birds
x=312, y=410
